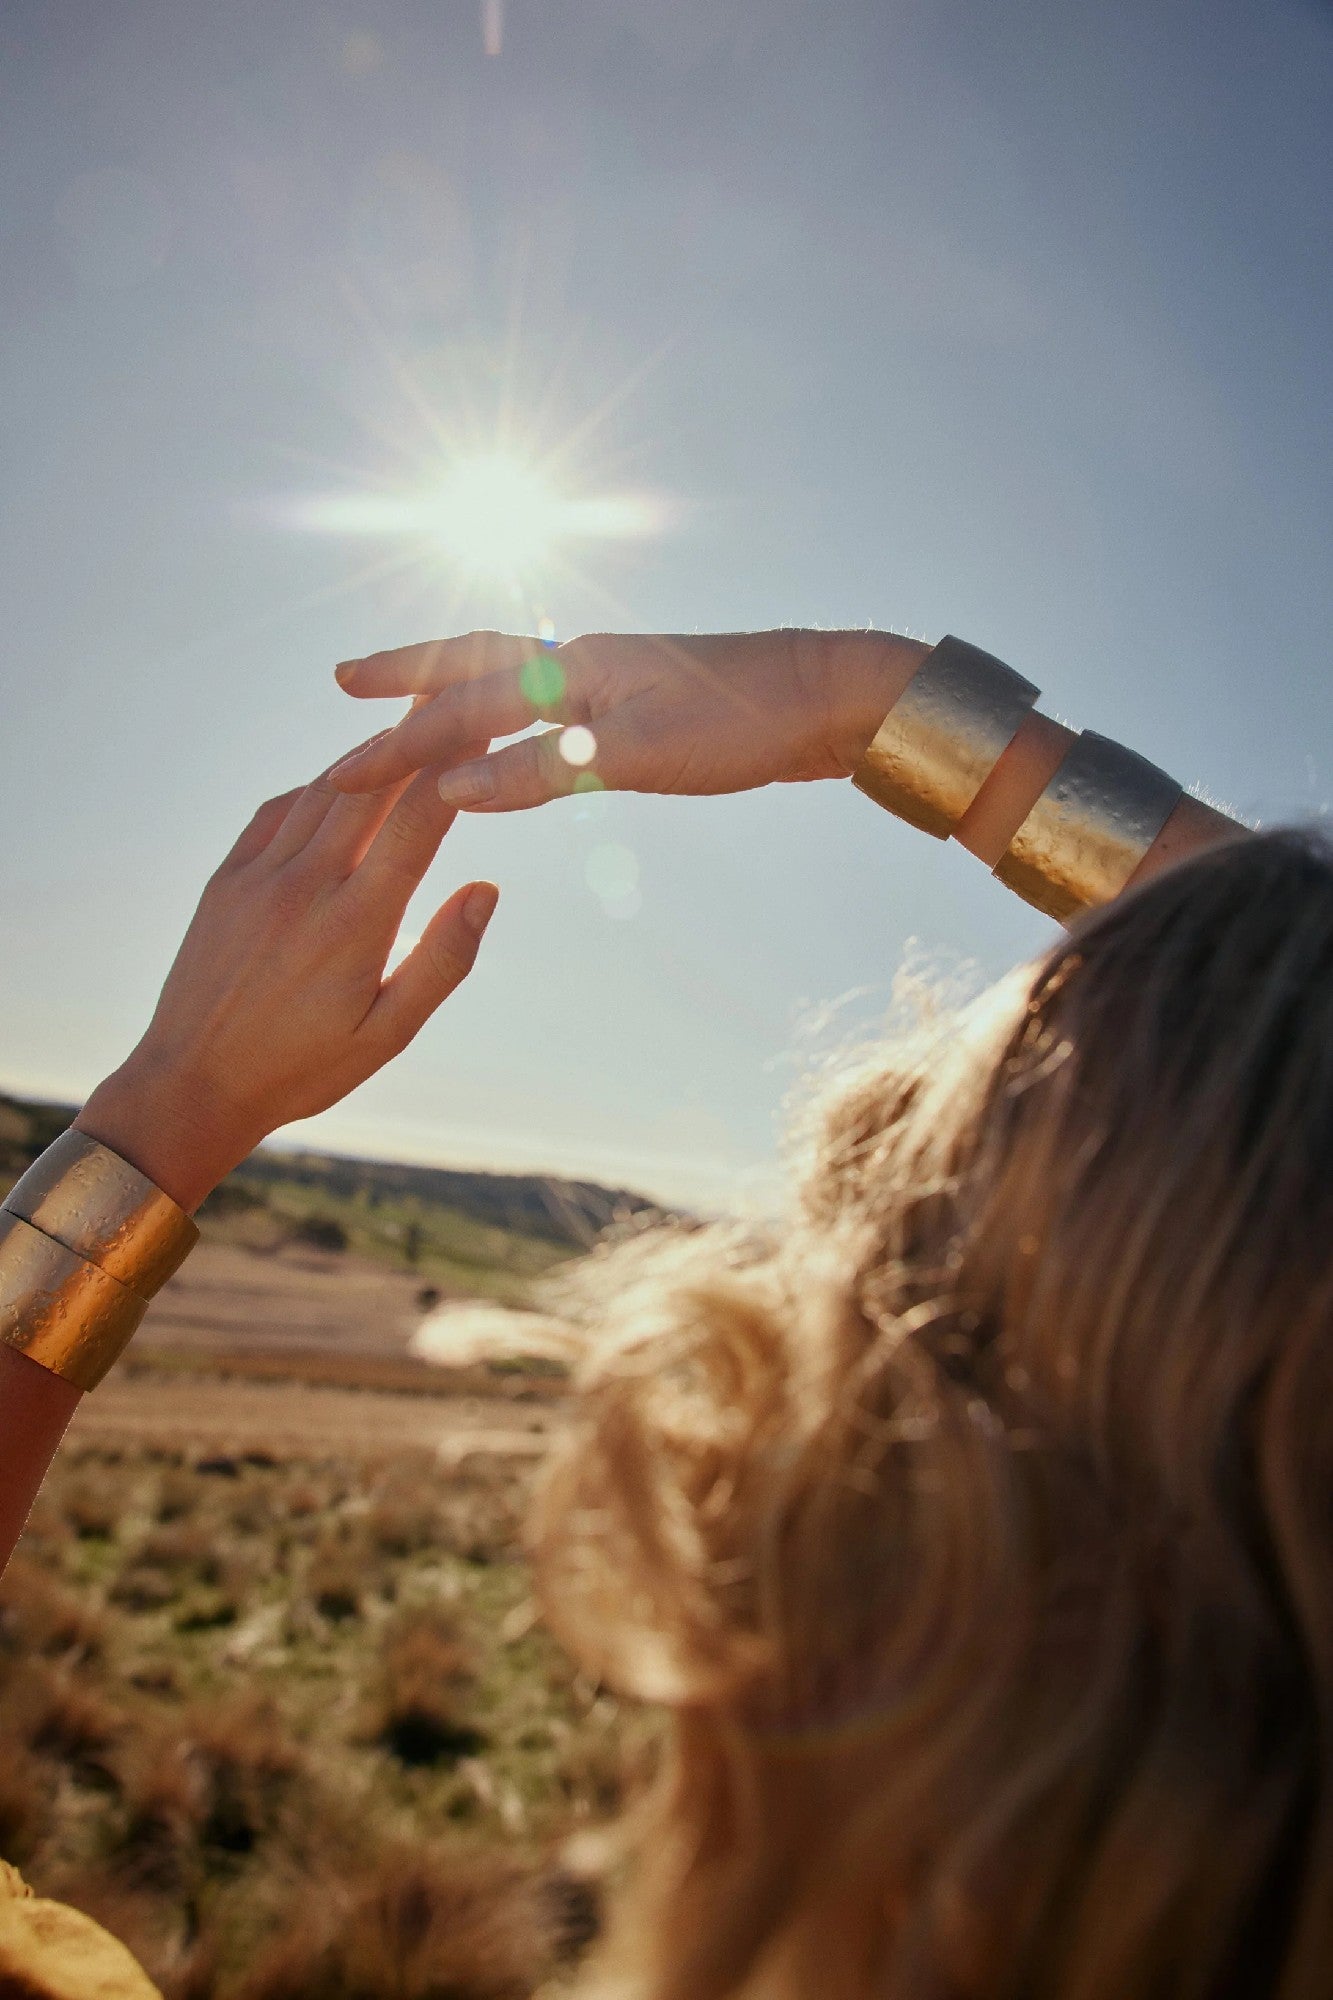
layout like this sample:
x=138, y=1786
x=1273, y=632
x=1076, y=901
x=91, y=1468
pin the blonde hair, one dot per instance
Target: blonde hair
x=977, y=1528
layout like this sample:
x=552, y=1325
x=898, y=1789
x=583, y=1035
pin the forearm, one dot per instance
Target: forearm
x=1022, y=775
x=86, y=1239
x=35, y=1408
x=143, y=1122
x=1068, y=821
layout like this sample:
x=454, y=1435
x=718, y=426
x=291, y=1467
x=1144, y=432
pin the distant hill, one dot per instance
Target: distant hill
x=567, y=1214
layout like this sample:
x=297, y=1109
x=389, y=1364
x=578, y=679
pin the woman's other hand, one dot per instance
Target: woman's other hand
x=654, y=713
x=278, y=1004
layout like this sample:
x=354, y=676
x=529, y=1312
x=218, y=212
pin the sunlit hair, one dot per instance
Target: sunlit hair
x=977, y=1529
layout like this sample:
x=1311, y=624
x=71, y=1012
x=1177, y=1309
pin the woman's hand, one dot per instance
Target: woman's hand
x=665, y=714
x=278, y=1004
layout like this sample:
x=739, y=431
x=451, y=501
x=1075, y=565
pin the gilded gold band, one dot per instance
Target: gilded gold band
x=59, y=1309
x=85, y=1241
x=1090, y=828
x=944, y=736
x=103, y=1209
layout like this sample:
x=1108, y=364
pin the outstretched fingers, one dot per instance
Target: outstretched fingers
x=489, y=684
x=261, y=830
x=544, y=767
x=439, y=962
x=307, y=815
x=349, y=830
x=440, y=663
x=441, y=729
x=402, y=850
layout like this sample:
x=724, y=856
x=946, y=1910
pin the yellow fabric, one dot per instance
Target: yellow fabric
x=50, y=1952
x=11, y=1882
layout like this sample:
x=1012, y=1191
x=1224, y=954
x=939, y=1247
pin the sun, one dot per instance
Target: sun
x=496, y=517
x=493, y=521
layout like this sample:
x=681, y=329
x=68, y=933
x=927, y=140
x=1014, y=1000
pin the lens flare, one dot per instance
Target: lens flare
x=578, y=746
x=542, y=681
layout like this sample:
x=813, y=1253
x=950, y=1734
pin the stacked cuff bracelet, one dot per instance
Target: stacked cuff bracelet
x=944, y=736
x=1090, y=828
x=85, y=1241
x=1087, y=833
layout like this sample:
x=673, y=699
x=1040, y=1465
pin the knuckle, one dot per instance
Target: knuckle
x=448, y=962
x=410, y=823
x=590, y=666
x=541, y=766
x=292, y=889
x=588, y=652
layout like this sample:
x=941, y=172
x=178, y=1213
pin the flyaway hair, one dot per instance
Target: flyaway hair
x=976, y=1527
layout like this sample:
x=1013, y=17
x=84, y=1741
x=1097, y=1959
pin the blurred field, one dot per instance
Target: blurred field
x=288, y=1418
x=288, y=1725
x=308, y=1350
x=274, y=1702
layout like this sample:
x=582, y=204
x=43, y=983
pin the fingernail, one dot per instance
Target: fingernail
x=469, y=785
x=343, y=671
x=479, y=906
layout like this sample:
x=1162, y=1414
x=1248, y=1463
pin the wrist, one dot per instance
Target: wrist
x=865, y=674
x=164, y=1124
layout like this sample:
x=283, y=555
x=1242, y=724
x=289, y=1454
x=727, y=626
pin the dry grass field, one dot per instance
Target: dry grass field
x=308, y=1352
x=274, y=1703
x=286, y=1723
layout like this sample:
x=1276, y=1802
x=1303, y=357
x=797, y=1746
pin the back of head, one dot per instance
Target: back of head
x=976, y=1529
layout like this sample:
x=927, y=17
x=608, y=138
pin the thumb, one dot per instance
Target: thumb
x=440, y=960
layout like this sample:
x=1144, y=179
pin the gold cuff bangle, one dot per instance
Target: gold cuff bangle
x=1090, y=828
x=104, y=1210
x=944, y=736
x=60, y=1310
x=85, y=1241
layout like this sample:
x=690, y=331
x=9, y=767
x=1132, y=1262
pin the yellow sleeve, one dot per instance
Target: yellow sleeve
x=50, y=1952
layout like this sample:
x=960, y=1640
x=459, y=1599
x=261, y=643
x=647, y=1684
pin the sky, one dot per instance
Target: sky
x=1006, y=321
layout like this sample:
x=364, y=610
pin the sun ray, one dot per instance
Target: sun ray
x=485, y=481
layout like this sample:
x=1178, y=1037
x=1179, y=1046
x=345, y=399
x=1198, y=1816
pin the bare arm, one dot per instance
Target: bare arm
x=687, y=714
x=277, y=1006
x=1023, y=773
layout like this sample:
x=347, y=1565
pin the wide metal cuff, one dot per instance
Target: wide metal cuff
x=106, y=1211
x=60, y=1310
x=944, y=736
x=1090, y=828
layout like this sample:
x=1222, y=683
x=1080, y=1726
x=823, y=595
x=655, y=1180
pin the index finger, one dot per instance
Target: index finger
x=436, y=664
x=440, y=724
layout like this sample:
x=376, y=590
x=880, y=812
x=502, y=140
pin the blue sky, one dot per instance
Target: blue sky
x=1007, y=321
